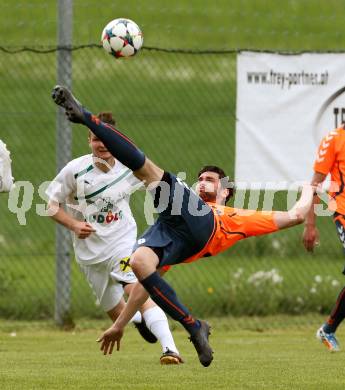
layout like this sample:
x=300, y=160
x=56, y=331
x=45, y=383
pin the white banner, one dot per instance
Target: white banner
x=285, y=105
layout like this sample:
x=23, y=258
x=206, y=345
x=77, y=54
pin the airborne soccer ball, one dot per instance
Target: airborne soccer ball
x=122, y=38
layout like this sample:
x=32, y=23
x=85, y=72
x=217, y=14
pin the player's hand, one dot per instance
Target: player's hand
x=82, y=229
x=109, y=338
x=310, y=237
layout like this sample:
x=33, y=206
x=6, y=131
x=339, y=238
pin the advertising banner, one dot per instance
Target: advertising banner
x=285, y=105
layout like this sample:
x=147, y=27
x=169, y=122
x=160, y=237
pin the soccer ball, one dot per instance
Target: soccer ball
x=122, y=38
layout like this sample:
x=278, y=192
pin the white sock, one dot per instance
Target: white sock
x=137, y=318
x=157, y=322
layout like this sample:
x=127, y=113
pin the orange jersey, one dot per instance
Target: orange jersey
x=232, y=225
x=331, y=159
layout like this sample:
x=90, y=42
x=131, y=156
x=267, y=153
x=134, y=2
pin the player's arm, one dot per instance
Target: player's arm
x=114, y=334
x=310, y=234
x=63, y=185
x=298, y=213
x=324, y=162
x=58, y=214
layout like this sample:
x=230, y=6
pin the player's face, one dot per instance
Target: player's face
x=209, y=187
x=98, y=148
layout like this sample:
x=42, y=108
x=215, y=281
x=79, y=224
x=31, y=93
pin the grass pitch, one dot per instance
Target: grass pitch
x=38, y=356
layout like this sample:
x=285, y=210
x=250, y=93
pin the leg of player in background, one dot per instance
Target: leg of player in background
x=157, y=324
x=326, y=333
x=144, y=262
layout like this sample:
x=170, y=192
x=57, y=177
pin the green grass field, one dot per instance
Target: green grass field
x=37, y=356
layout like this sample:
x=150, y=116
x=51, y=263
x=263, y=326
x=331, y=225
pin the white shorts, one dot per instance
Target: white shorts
x=106, y=280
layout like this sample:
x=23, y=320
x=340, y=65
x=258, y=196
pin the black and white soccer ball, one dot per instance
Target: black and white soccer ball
x=122, y=38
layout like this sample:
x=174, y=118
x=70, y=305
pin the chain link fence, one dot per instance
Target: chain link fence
x=180, y=109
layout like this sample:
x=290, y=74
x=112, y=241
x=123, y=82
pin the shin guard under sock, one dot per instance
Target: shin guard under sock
x=165, y=297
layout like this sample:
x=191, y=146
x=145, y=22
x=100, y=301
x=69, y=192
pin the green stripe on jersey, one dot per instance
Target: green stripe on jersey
x=81, y=173
x=125, y=173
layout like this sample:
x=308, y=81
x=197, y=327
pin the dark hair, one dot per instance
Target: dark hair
x=213, y=168
x=107, y=117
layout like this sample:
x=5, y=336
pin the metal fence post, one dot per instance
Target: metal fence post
x=63, y=155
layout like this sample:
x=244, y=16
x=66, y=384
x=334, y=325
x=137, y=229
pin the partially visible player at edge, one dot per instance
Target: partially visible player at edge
x=6, y=179
x=95, y=189
x=179, y=238
x=330, y=159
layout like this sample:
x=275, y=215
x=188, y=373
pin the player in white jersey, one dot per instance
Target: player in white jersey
x=95, y=190
x=6, y=179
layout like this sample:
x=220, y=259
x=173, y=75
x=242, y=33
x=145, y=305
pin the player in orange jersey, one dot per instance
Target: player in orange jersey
x=190, y=226
x=330, y=160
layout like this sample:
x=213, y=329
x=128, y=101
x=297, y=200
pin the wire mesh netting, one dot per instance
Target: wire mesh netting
x=180, y=108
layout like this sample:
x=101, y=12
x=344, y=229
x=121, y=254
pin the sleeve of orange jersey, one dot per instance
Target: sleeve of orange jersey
x=259, y=223
x=325, y=155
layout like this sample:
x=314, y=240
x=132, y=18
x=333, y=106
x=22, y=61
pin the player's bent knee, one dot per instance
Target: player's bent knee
x=137, y=262
x=134, y=262
x=143, y=262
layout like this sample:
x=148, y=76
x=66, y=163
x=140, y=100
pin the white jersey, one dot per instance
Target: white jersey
x=6, y=179
x=101, y=199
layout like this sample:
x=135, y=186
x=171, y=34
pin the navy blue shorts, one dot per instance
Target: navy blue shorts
x=184, y=225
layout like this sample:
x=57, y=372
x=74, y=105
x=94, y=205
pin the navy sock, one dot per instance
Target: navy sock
x=337, y=315
x=165, y=297
x=121, y=147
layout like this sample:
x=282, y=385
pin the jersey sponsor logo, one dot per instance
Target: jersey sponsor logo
x=124, y=265
x=105, y=218
x=105, y=212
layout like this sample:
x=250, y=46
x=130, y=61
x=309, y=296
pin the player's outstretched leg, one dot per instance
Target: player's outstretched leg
x=200, y=342
x=165, y=297
x=120, y=146
x=73, y=108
